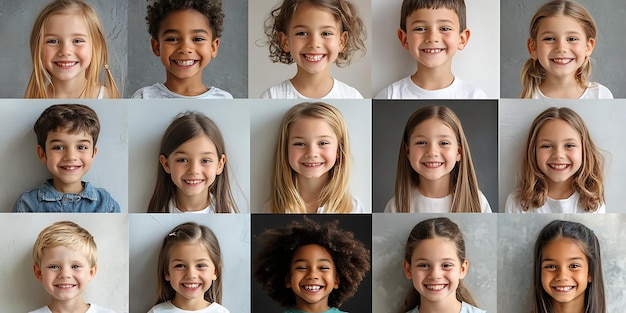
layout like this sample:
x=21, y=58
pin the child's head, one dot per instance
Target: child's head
x=64, y=254
x=434, y=149
x=293, y=29
x=66, y=43
x=290, y=257
x=559, y=150
x=567, y=258
x=434, y=256
x=190, y=265
x=562, y=37
x=192, y=162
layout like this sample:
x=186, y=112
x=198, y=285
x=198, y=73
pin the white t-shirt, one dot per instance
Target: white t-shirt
x=168, y=307
x=159, y=91
x=407, y=89
x=569, y=205
x=357, y=207
x=93, y=308
x=286, y=90
x=594, y=91
x=171, y=207
x=465, y=308
x=422, y=204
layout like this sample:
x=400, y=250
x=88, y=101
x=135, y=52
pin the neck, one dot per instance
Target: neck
x=433, y=78
x=561, y=87
x=313, y=85
x=434, y=188
x=318, y=307
x=69, y=89
x=190, y=304
x=76, y=305
x=447, y=305
x=193, y=203
x=72, y=188
x=310, y=189
x=561, y=190
x=575, y=306
x=192, y=86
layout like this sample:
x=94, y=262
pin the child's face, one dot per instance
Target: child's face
x=433, y=37
x=314, y=38
x=185, y=45
x=565, y=272
x=312, y=147
x=312, y=277
x=68, y=158
x=561, y=46
x=64, y=273
x=67, y=47
x=193, y=167
x=436, y=270
x=559, y=152
x=433, y=151
x=190, y=272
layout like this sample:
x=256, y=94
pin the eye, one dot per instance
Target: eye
x=447, y=266
x=57, y=148
x=202, y=265
x=78, y=41
x=324, y=268
x=82, y=147
x=545, y=146
x=179, y=265
x=572, y=39
x=181, y=160
x=327, y=34
x=549, y=267
x=206, y=161
x=420, y=143
x=300, y=268
x=422, y=265
x=323, y=143
x=548, y=39
x=75, y=267
x=53, y=267
x=570, y=145
x=199, y=39
x=298, y=144
x=445, y=29
x=171, y=39
x=301, y=34
x=52, y=41
x=445, y=143
x=419, y=29
x=575, y=266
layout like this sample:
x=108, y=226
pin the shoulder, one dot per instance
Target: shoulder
x=467, y=308
x=597, y=91
x=357, y=205
x=216, y=93
x=155, y=91
x=37, y=199
x=216, y=308
x=465, y=89
x=394, y=90
x=104, y=200
x=43, y=309
x=94, y=308
x=284, y=90
x=484, y=203
x=391, y=206
x=164, y=307
x=512, y=204
x=342, y=90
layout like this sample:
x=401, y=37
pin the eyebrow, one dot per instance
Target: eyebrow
x=196, y=260
x=72, y=34
x=319, y=260
x=572, y=32
x=444, y=259
x=438, y=21
x=301, y=137
x=570, y=259
x=306, y=26
x=174, y=31
x=63, y=141
x=183, y=152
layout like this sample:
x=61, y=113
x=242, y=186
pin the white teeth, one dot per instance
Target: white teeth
x=435, y=287
x=191, y=285
x=312, y=288
x=564, y=288
x=312, y=164
x=559, y=166
x=66, y=64
x=184, y=62
x=432, y=50
x=433, y=164
x=65, y=286
x=313, y=58
x=70, y=168
x=193, y=182
x=562, y=61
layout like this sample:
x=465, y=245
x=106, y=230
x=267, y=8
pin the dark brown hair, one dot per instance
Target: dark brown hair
x=211, y=9
x=72, y=118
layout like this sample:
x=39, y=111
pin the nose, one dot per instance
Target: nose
x=314, y=41
x=311, y=151
x=194, y=167
x=186, y=46
x=64, y=272
x=560, y=46
x=432, y=150
x=561, y=275
x=432, y=35
x=191, y=272
x=312, y=274
x=70, y=154
x=65, y=48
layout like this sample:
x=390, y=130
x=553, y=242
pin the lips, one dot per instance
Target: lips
x=193, y=182
x=312, y=288
x=435, y=287
x=191, y=285
x=558, y=167
x=562, y=60
x=432, y=164
x=70, y=168
x=313, y=57
x=563, y=288
x=65, y=64
x=185, y=62
x=65, y=286
x=433, y=50
x=318, y=164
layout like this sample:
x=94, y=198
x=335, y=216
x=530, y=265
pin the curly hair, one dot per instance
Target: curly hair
x=159, y=9
x=272, y=263
x=343, y=10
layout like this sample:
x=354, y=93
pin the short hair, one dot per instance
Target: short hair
x=73, y=118
x=410, y=6
x=211, y=9
x=67, y=234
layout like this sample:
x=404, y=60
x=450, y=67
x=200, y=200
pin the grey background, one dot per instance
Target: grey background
x=389, y=235
x=515, y=256
x=480, y=123
x=228, y=71
x=146, y=237
x=16, y=22
x=22, y=169
x=606, y=59
x=605, y=120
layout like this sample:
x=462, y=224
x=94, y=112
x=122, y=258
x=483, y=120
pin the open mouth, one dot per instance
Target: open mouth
x=65, y=64
x=314, y=57
x=312, y=288
x=70, y=168
x=191, y=285
x=436, y=287
x=433, y=50
x=432, y=164
x=563, y=288
x=314, y=165
x=562, y=60
x=65, y=286
x=193, y=182
x=559, y=167
x=185, y=62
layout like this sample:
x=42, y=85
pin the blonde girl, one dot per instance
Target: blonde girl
x=314, y=34
x=189, y=271
x=434, y=260
x=192, y=175
x=561, y=170
x=562, y=37
x=567, y=256
x=435, y=170
x=312, y=163
x=69, y=52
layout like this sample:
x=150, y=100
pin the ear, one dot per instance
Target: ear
x=342, y=41
x=402, y=37
x=215, y=44
x=167, y=276
x=37, y=272
x=459, y=154
x=336, y=286
x=464, y=38
x=284, y=42
x=95, y=151
x=287, y=282
x=220, y=165
x=92, y=272
x=156, y=47
x=41, y=154
x=214, y=274
x=165, y=164
x=591, y=43
x=532, y=48
x=464, y=268
x=407, y=269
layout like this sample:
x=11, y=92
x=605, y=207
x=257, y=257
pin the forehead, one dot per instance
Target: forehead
x=557, y=128
x=63, y=252
x=432, y=126
x=200, y=144
x=311, y=252
x=560, y=23
x=185, y=20
x=563, y=249
x=310, y=126
x=435, y=249
x=63, y=134
x=66, y=22
x=189, y=250
x=432, y=15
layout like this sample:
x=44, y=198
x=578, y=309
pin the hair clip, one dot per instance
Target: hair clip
x=172, y=234
x=106, y=67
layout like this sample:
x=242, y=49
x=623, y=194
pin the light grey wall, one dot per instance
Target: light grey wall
x=148, y=121
x=478, y=63
x=480, y=123
x=515, y=256
x=229, y=71
x=146, y=237
x=389, y=235
x=109, y=288
x=22, y=169
x=16, y=22
x=605, y=120
x=266, y=116
x=608, y=67
x=264, y=74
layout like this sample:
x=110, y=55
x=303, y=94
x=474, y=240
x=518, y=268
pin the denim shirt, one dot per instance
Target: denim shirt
x=47, y=199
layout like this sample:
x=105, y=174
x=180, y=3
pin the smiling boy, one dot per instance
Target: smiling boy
x=185, y=36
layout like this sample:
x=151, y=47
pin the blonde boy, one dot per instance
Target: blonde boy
x=432, y=31
x=64, y=257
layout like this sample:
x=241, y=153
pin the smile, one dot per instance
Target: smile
x=193, y=181
x=562, y=60
x=312, y=288
x=435, y=50
x=312, y=164
x=191, y=286
x=65, y=286
x=435, y=287
x=565, y=288
x=65, y=64
x=433, y=164
x=185, y=62
x=558, y=166
x=314, y=57
x=70, y=167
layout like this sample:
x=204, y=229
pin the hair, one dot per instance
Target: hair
x=187, y=233
x=463, y=183
x=440, y=227
x=590, y=246
x=335, y=196
x=67, y=234
x=71, y=118
x=271, y=266
x=410, y=6
x=344, y=11
x=40, y=78
x=533, y=74
x=588, y=181
x=187, y=126
x=159, y=9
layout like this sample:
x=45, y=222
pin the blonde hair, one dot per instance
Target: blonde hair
x=335, y=195
x=40, y=78
x=67, y=234
x=533, y=74
x=463, y=183
x=588, y=181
